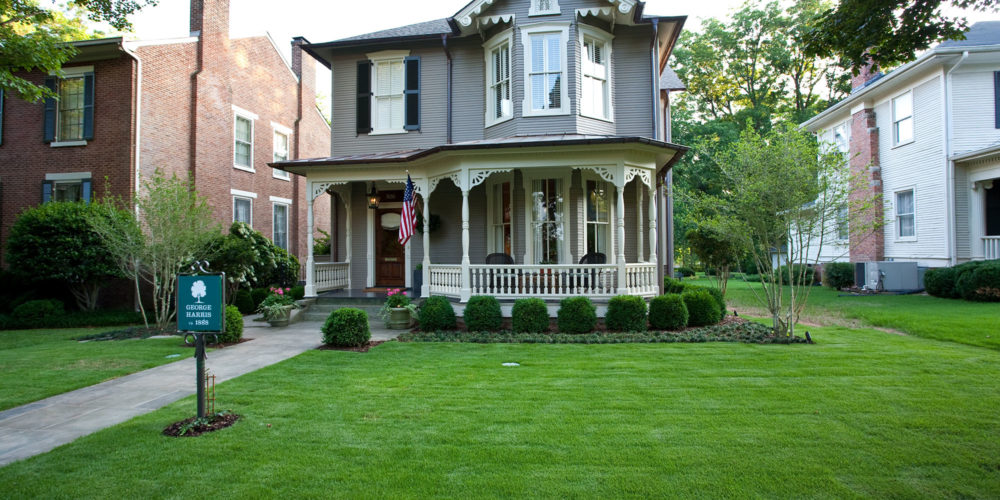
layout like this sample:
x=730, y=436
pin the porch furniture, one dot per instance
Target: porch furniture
x=499, y=259
x=493, y=276
x=591, y=275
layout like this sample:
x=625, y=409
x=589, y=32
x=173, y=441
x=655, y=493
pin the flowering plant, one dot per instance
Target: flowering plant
x=396, y=298
x=277, y=303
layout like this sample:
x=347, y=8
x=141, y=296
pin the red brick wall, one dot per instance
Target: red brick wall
x=25, y=158
x=867, y=244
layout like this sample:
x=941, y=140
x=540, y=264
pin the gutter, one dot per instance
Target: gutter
x=655, y=63
x=949, y=166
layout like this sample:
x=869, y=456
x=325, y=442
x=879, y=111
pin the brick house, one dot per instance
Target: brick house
x=206, y=106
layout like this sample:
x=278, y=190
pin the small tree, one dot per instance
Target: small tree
x=718, y=249
x=54, y=241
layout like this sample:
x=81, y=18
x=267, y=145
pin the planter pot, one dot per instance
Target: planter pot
x=418, y=283
x=399, y=318
x=282, y=318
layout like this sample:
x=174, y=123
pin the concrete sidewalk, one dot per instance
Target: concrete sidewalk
x=38, y=427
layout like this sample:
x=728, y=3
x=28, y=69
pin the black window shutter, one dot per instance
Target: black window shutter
x=364, y=98
x=46, y=191
x=88, y=106
x=996, y=98
x=49, y=130
x=85, y=190
x=1, y=116
x=411, y=93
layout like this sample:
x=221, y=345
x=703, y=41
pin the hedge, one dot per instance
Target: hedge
x=576, y=315
x=437, y=313
x=482, y=314
x=530, y=315
x=838, y=275
x=667, y=312
x=626, y=313
x=702, y=307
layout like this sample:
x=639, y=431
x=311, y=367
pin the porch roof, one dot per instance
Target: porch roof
x=301, y=166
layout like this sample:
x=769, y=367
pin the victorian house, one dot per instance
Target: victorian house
x=536, y=133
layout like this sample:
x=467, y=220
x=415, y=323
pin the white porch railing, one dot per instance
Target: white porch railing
x=545, y=281
x=640, y=279
x=991, y=247
x=331, y=275
x=446, y=280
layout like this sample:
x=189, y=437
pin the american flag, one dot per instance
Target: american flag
x=409, y=217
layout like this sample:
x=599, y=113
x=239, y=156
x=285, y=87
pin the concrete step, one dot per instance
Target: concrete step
x=319, y=312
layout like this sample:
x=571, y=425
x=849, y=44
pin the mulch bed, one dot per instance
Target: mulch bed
x=362, y=348
x=212, y=423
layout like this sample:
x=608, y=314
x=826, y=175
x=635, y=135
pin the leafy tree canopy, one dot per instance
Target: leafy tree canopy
x=886, y=32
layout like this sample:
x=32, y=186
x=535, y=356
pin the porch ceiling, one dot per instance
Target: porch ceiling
x=554, y=142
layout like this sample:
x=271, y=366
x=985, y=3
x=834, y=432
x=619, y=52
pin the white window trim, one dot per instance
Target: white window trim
x=278, y=199
x=895, y=214
x=243, y=194
x=526, y=32
x=590, y=175
x=846, y=225
x=553, y=9
x=71, y=176
x=587, y=31
x=565, y=177
x=892, y=105
x=66, y=144
x=288, y=216
x=505, y=36
x=67, y=73
x=246, y=115
x=250, y=199
x=492, y=181
x=287, y=132
x=386, y=56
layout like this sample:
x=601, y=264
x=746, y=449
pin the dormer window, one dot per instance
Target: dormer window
x=543, y=7
x=595, y=73
x=545, y=69
x=499, y=104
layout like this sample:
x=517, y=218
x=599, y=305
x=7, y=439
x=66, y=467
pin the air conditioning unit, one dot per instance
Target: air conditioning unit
x=894, y=276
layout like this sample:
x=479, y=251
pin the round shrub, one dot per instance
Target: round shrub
x=803, y=275
x=981, y=284
x=258, y=295
x=298, y=292
x=671, y=285
x=437, y=314
x=686, y=272
x=626, y=313
x=576, y=315
x=530, y=316
x=702, y=308
x=719, y=298
x=234, y=326
x=244, y=302
x=668, y=312
x=838, y=275
x=347, y=327
x=482, y=314
x=33, y=311
x=940, y=282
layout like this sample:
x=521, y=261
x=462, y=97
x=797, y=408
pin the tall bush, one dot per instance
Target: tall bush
x=838, y=275
x=530, y=315
x=702, y=308
x=482, y=314
x=234, y=326
x=981, y=283
x=576, y=315
x=668, y=312
x=626, y=313
x=437, y=313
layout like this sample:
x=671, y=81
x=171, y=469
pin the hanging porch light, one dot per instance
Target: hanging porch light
x=373, y=198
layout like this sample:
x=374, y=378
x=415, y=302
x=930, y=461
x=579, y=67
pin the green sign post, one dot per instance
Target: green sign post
x=201, y=310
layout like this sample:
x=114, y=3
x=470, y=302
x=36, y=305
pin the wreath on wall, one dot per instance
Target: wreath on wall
x=435, y=223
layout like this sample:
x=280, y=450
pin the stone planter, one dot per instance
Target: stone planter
x=282, y=318
x=399, y=318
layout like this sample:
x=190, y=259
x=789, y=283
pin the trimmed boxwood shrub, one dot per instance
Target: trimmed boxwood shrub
x=671, y=285
x=808, y=279
x=530, y=316
x=576, y=315
x=626, y=313
x=981, y=283
x=258, y=295
x=347, y=327
x=234, y=326
x=437, y=314
x=702, y=308
x=244, y=302
x=668, y=312
x=298, y=292
x=482, y=314
x=838, y=275
x=940, y=282
x=34, y=311
x=719, y=298
x=686, y=272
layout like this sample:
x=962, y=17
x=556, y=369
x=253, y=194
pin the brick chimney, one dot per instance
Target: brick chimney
x=867, y=244
x=866, y=74
x=210, y=22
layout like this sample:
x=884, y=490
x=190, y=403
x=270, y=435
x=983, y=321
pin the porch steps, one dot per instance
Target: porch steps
x=320, y=310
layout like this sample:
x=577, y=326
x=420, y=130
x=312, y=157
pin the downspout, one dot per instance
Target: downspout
x=949, y=167
x=193, y=119
x=447, y=53
x=653, y=55
x=138, y=120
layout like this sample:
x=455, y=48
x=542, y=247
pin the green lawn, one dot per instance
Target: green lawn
x=860, y=414
x=973, y=323
x=36, y=364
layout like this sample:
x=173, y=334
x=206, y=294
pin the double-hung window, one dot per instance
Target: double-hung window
x=501, y=218
x=843, y=223
x=66, y=187
x=388, y=93
x=280, y=151
x=243, y=206
x=902, y=119
x=545, y=69
x=547, y=215
x=69, y=120
x=598, y=216
x=279, y=222
x=243, y=139
x=595, y=73
x=905, y=214
x=499, y=104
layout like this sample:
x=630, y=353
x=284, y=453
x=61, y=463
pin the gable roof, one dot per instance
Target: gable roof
x=981, y=33
x=426, y=28
x=670, y=81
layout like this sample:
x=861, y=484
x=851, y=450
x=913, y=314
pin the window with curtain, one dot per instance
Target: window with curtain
x=905, y=214
x=547, y=216
x=598, y=216
x=242, y=210
x=501, y=222
x=243, y=146
x=279, y=227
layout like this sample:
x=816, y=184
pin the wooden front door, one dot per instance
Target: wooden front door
x=390, y=261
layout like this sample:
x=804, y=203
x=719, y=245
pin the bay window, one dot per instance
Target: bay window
x=545, y=69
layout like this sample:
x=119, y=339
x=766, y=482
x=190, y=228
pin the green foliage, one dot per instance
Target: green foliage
x=258, y=295
x=396, y=298
x=801, y=275
x=838, y=275
x=530, y=315
x=437, y=313
x=718, y=296
x=482, y=314
x=576, y=315
x=671, y=285
x=272, y=265
x=626, y=313
x=981, y=283
x=702, y=308
x=298, y=292
x=940, y=282
x=234, y=326
x=72, y=319
x=685, y=271
x=244, y=302
x=277, y=305
x=346, y=327
x=54, y=241
x=234, y=256
x=717, y=250
x=36, y=311
x=667, y=312
x=321, y=245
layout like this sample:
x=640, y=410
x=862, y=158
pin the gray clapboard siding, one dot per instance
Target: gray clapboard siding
x=359, y=235
x=962, y=238
x=633, y=82
x=468, y=89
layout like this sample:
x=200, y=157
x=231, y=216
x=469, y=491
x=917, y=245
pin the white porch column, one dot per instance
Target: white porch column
x=310, y=261
x=620, y=215
x=425, y=289
x=640, y=251
x=652, y=225
x=977, y=219
x=466, y=290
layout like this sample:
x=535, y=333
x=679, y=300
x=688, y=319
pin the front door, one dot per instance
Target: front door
x=390, y=261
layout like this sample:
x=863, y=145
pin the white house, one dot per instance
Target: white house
x=926, y=136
